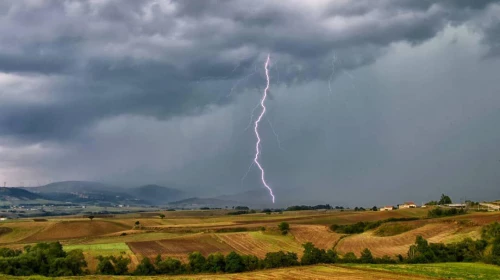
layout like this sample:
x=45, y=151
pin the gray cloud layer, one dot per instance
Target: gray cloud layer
x=160, y=90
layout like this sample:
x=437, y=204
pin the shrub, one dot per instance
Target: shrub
x=197, y=262
x=215, y=263
x=145, y=267
x=170, y=266
x=349, y=257
x=234, y=263
x=366, y=256
x=280, y=259
x=284, y=227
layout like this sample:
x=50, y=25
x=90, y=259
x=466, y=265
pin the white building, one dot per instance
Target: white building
x=386, y=208
x=408, y=204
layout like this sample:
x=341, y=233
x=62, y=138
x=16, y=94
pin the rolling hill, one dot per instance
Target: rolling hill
x=95, y=192
x=11, y=194
x=85, y=192
x=156, y=195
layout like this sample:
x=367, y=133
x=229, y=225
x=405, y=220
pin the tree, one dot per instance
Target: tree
x=250, y=262
x=197, y=262
x=105, y=266
x=162, y=216
x=366, y=256
x=121, y=265
x=284, y=227
x=331, y=256
x=374, y=208
x=215, y=263
x=444, y=200
x=280, y=259
x=234, y=263
x=91, y=217
x=312, y=255
x=145, y=268
x=170, y=266
x=349, y=257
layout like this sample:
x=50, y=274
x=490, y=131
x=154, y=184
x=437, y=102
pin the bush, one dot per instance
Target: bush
x=349, y=257
x=48, y=259
x=241, y=212
x=215, y=263
x=366, y=256
x=280, y=259
x=234, y=263
x=105, y=266
x=313, y=255
x=170, y=266
x=145, y=268
x=197, y=262
x=284, y=227
x=440, y=212
x=251, y=262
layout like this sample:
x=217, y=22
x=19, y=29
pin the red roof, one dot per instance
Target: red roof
x=409, y=202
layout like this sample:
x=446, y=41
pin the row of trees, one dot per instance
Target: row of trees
x=440, y=212
x=48, y=259
x=361, y=227
x=305, y=207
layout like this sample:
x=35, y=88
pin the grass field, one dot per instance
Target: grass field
x=441, y=270
x=462, y=271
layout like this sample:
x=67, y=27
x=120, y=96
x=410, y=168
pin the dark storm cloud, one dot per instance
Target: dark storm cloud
x=142, y=57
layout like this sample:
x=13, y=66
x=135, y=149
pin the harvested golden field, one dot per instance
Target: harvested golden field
x=319, y=235
x=320, y=272
x=351, y=217
x=75, y=229
x=22, y=230
x=180, y=247
x=258, y=243
x=397, y=244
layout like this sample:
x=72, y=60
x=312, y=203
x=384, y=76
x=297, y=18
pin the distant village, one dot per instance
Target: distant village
x=410, y=204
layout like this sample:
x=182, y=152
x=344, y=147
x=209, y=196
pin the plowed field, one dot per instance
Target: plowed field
x=180, y=247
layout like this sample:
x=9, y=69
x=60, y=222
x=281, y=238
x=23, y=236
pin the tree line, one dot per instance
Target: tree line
x=361, y=227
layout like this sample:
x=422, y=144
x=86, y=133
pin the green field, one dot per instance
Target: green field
x=100, y=249
x=440, y=270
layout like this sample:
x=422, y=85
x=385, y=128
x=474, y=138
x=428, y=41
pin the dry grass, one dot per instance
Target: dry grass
x=75, y=229
x=319, y=235
x=320, y=272
x=180, y=247
x=258, y=243
x=397, y=244
x=23, y=230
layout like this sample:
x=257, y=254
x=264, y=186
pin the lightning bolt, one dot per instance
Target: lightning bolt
x=256, y=129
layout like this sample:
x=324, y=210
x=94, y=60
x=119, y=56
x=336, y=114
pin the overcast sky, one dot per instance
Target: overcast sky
x=372, y=101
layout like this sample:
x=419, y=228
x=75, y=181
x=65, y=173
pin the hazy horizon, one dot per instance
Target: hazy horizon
x=371, y=102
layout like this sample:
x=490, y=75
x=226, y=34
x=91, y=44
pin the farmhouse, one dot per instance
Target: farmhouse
x=408, y=204
x=456, y=205
x=386, y=208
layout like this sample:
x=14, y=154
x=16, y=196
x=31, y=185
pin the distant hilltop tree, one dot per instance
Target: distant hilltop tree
x=241, y=208
x=444, y=200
